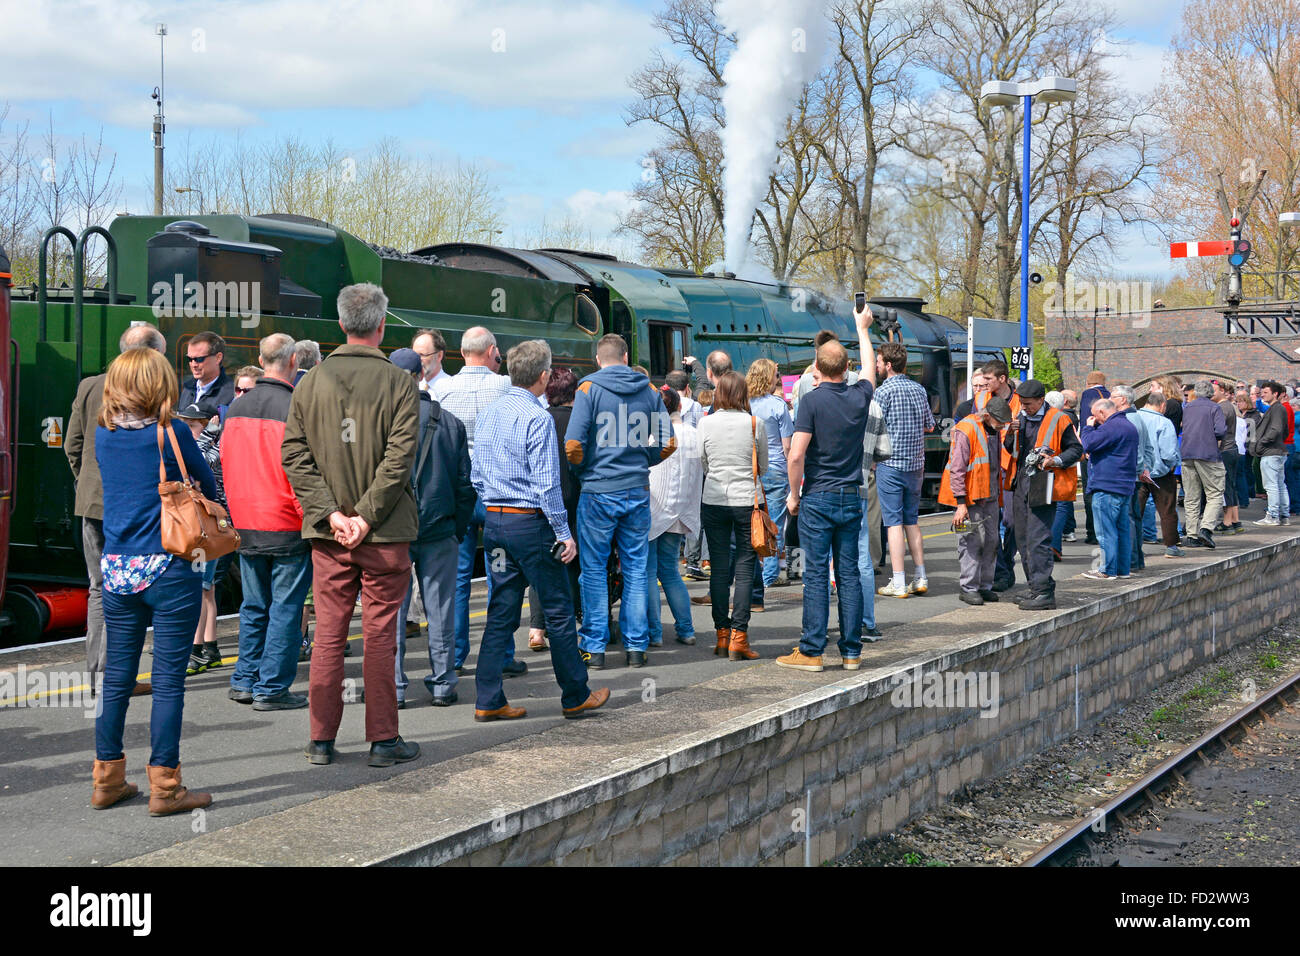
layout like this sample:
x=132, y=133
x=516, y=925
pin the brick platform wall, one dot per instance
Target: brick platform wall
x=816, y=774
x=1133, y=349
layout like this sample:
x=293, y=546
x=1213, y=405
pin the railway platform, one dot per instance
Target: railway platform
x=696, y=760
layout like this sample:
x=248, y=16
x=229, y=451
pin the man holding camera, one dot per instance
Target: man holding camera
x=1044, y=449
x=526, y=537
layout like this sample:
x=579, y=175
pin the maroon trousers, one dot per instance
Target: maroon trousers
x=382, y=572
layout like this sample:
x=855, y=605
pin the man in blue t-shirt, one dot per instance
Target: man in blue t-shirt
x=825, y=469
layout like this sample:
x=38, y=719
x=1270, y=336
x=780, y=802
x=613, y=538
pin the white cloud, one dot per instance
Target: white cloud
x=227, y=59
x=1158, y=15
x=599, y=212
x=1136, y=65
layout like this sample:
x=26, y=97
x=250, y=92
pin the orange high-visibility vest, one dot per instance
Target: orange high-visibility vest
x=979, y=479
x=982, y=400
x=1051, y=434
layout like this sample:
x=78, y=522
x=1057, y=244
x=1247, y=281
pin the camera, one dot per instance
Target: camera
x=557, y=550
x=1034, y=460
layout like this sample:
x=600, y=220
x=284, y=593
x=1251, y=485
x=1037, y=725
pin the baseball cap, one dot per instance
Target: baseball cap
x=999, y=409
x=1031, y=388
x=408, y=360
x=198, y=411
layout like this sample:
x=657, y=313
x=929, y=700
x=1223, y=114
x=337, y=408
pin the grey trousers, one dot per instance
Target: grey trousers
x=877, y=531
x=92, y=545
x=977, y=549
x=1033, y=528
x=1202, y=478
x=435, y=567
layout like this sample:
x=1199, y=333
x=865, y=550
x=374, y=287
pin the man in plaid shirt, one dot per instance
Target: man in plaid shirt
x=906, y=409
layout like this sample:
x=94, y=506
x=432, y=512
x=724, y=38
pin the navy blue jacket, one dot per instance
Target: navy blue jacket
x=618, y=429
x=1112, y=449
x=440, y=476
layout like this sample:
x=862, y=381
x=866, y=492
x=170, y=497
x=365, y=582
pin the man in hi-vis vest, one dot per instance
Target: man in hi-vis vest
x=1044, y=450
x=971, y=483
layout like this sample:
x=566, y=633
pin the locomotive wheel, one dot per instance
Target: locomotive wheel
x=26, y=615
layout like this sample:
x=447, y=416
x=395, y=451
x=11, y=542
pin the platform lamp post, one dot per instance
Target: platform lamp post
x=1049, y=89
x=192, y=189
x=1285, y=220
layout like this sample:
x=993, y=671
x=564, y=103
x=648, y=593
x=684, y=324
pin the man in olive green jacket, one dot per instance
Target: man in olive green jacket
x=348, y=449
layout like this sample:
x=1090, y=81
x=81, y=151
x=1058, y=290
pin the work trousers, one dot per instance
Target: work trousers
x=1165, y=494
x=1202, y=478
x=1033, y=532
x=977, y=549
x=382, y=573
x=435, y=564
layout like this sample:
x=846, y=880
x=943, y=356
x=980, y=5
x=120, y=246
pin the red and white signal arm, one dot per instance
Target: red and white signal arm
x=1193, y=250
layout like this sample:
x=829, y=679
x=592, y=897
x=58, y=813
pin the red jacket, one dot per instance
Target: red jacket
x=262, y=503
x=1290, y=422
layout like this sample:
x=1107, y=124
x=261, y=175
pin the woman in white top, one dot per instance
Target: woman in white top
x=675, y=486
x=730, y=438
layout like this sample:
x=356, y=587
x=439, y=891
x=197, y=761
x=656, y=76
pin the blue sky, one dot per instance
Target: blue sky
x=533, y=89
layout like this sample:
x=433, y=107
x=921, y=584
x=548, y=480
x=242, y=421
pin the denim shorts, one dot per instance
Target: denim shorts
x=900, y=495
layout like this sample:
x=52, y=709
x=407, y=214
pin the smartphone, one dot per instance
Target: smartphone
x=557, y=550
x=859, y=301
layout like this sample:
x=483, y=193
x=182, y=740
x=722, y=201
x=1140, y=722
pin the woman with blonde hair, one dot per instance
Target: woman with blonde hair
x=730, y=439
x=772, y=412
x=144, y=585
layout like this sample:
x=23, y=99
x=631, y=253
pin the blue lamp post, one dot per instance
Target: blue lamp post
x=1050, y=89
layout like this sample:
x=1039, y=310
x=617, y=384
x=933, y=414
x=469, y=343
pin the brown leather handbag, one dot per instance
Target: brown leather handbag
x=762, y=529
x=192, y=526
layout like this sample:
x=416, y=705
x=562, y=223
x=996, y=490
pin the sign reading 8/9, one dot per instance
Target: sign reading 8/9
x=1020, y=358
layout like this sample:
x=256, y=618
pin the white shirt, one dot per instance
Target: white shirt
x=676, y=484
x=692, y=411
x=426, y=384
x=1243, y=429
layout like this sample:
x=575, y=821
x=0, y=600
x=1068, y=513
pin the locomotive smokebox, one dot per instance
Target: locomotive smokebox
x=192, y=271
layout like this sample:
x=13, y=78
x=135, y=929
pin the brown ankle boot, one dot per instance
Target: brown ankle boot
x=167, y=796
x=740, y=649
x=724, y=637
x=110, y=784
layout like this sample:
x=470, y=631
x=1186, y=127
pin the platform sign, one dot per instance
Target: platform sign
x=1022, y=359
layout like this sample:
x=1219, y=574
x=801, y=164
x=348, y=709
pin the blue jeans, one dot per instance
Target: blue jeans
x=663, y=569
x=1149, y=521
x=1137, y=531
x=830, y=523
x=1293, y=480
x=435, y=566
x=614, y=519
x=777, y=489
x=1112, y=514
x=464, y=579
x=1245, y=481
x=1272, y=468
x=270, y=622
x=1062, y=523
x=866, y=574
x=524, y=542
x=171, y=604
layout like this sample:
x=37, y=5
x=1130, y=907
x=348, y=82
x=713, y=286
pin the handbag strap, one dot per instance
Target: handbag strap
x=176, y=450
x=753, y=451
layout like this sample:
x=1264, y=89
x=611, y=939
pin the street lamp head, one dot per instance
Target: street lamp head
x=999, y=93
x=160, y=29
x=1051, y=89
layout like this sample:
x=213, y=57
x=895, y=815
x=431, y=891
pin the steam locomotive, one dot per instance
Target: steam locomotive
x=246, y=276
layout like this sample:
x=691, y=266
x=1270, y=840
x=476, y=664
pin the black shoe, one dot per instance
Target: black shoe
x=1193, y=541
x=320, y=752
x=1207, y=538
x=594, y=662
x=445, y=701
x=1003, y=584
x=514, y=669
x=688, y=641
x=990, y=597
x=1039, y=602
x=347, y=648
x=387, y=754
x=211, y=653
x=871, y=635
x=197, y=665
x=1221, y=528
x=241, y=696
x=287, y=700
x=636, y=658
x=972, y=598
x=1091, y=541
x=401, y=704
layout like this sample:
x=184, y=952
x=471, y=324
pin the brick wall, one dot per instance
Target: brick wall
x=1133, y=348
x=818, y=773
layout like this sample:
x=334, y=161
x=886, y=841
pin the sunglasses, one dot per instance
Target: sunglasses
x=242, y=391
x=197, y=359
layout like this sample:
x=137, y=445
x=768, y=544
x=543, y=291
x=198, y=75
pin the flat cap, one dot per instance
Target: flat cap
x=1031, y=388
x=999, y=409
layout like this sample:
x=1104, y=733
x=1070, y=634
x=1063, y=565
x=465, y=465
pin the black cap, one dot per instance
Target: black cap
x=199, y=411
x=1031, y=388
x=999, y=409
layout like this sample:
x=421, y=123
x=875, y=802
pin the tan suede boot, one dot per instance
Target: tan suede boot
x=167, y=796
x=110, y=784
x=740, y=649
x=724, y=638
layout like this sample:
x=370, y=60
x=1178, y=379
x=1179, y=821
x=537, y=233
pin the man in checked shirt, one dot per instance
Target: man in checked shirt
x=527, y=536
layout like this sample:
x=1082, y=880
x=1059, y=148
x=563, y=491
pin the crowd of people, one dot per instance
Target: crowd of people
x=369, y=479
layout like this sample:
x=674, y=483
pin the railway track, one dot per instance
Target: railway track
x=1123, y=806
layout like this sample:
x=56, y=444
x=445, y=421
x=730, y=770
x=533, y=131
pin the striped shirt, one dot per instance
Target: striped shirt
x=906, y=408
x=516, y=464
x=467, y=393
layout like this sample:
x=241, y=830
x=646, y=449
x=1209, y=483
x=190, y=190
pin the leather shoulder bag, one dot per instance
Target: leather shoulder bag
x=762, y=529
x=192, y=526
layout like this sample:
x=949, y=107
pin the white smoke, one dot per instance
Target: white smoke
x=778, y=51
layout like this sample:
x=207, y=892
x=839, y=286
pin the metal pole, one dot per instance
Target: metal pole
x=158, y=127
x=1024, y=235
x=970, y=357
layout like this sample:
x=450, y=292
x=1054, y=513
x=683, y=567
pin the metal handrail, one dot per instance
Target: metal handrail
x=42, y=279
x=79, y=281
